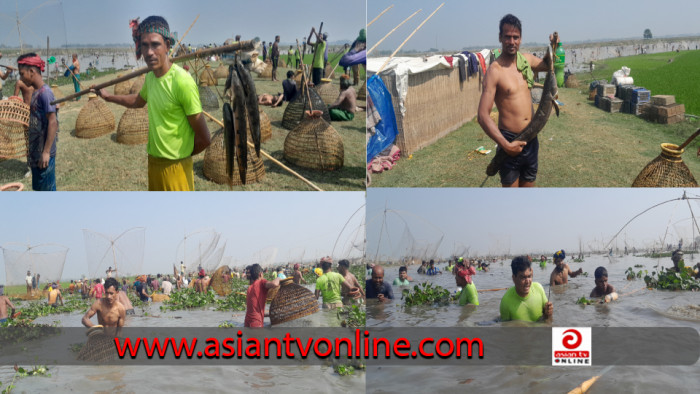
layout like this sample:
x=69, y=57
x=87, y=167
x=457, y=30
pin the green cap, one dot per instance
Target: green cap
x=363, y=36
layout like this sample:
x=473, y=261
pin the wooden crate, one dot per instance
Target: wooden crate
x=663, y=99
x=671, y=119
x=606, y=90
x=640, y=95
x=670, y=110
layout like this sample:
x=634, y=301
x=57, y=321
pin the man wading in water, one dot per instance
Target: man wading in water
x=176, y=128
x=507, y=83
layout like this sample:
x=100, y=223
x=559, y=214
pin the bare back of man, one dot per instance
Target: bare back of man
x=25, y=90
x=347, y=100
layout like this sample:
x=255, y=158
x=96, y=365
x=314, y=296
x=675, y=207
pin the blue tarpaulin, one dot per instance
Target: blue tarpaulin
x=386, y=130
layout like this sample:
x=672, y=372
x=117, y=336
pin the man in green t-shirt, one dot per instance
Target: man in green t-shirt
x=526, y=300
x=176, y=128
x=329, y=286
x=319, y=49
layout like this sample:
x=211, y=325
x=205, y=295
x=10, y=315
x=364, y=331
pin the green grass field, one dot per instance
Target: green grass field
x=103, y=164
x=668, y=73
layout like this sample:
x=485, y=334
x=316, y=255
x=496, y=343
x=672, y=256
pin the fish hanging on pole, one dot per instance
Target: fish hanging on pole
x=549, y=91
x=241, y=124
x=229, y=141
x=251, y=104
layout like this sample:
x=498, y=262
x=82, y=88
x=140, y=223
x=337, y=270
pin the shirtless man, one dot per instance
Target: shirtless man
x=4, y=304
x=560, y=275
x=110, y=312
x=271, y=100
x=26, y=90
x=345, y=105
x=55, y=295
x=76, y=74
x=602, y=288
x=298, y=276
x=344, y=269
x=508, y=87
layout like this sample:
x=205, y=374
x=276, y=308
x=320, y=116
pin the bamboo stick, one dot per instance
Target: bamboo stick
x=243, y=45
x=485, y=290
x=394, y=29
x=221, y=124
x=8, y=67
x=185, y=35
x=73, y=74
x=408, y=38
x=382, y=13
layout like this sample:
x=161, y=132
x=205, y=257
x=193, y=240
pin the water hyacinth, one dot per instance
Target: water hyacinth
x=426, y=294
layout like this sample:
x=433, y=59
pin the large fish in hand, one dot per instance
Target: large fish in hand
x=538, y=120
x=251, y=104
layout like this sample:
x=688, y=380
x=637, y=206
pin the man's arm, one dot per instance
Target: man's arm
x=488, y=96
x=574, y=273
x=536, y=63
x=272, y=283
x=60, y=297
x=90, y=313
x=202, y=138
x=313, y=32
x=50, y=137
x=129, y=100
x=339, y=100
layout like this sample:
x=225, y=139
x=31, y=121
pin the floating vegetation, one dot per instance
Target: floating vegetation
x=187, y=299
x=22, y=330
x=671, y=280
x=631, y=275
x=232, y=302
x=227, y=324
x=352, y=316
x=426, y=294
x=347, y=369
x=37, y=309
x=585, y=301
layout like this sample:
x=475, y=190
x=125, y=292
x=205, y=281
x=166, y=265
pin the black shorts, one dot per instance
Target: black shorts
x=522, y=166
x=316, y=75
x=275, y=60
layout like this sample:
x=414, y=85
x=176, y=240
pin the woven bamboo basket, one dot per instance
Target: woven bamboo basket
x=123, y=87
x=215, y=163
x=57, y=94
x=14, y=128
x=299, y=77
x=221, y=72
x=292, y=302
x=281, y=63
x=133, y=126
x=160, y=297
x=266, y=72
x=265, y=127
x=218, y=284
x=362, y=92
x=207, y=75
x=271, y=294
x=572, y=82
x=137, y=85
x=315, y=144
x=327, y=71
x=666, y=170
x=99, y=346
x=210, y=101
x=328, y=92
x=95, y=119
x=294, y=112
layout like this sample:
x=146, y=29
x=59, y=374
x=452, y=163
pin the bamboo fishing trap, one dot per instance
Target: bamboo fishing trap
x=315, y=144
x=362, y=92
x=221, y=72
x=14, y=128
x=265, y=127
x=218, y=284
x=294, y=112
x=327, y=91
x=267, y=71
x=208, y=98
x=667, y=169
x=95, y=119
x=207, y=76
x=133, y=126
x=292, y=302
x=215, y=163
x=123, y=87
x=137, y=85
x=99, y=346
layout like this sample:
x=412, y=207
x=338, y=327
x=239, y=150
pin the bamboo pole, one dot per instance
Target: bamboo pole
x=184, y=35
x=71, y=73
x=408, y=38
x=217, y=121
x=382, y=13
x=394, y=29
x=485, y=290
x=243, y=45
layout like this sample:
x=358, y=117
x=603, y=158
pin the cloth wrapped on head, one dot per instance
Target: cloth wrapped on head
x=560, y=254
x=152, y=24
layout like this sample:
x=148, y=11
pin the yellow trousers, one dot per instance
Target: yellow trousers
x=170, y=175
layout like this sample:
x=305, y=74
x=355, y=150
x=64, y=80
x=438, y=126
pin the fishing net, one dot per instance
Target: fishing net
x=404, y=237
x=291, y=302
x=47, y=260
x=351, y=239
x=666, y=170
x=124, y=253
x=296, y=255
x=265, y=257
x=14, y=128
x=196, y=248
x=294, y=112
x=95, y=119
x=215, y=163
x=315, y=144
x=133, y=126
x=213, y=261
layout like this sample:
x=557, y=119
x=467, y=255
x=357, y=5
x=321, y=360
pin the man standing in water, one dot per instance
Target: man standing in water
x=526, y=300
x=508, y=83
x=344, y=269
x=4, y=304
x=110, y=312
x=256, y=296
x=176, y=128
x=377, y=288
x=560, y=275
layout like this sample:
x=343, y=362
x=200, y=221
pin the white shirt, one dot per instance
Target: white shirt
x=28, y=279
x=167, y=287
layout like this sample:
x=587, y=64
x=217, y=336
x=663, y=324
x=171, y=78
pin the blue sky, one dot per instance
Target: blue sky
x=107, y=21
x=249, y=222
x=495, y=220
x=463, y=23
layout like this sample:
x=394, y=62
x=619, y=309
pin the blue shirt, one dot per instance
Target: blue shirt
x=40, y=107
x=372, y=292
x=433, y=271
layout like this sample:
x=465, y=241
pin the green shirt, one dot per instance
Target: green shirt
x=514, y=307
x=399, y=282
x=318, y=54
x=171, y=98
x=329, y=285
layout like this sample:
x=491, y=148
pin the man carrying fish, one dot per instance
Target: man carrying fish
x=507, y=84
x=176, y=128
